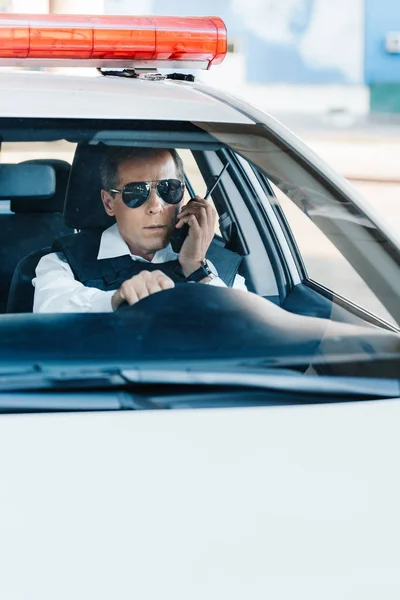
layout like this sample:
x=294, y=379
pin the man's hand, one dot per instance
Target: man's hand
x=201, y=217
x=140, y=286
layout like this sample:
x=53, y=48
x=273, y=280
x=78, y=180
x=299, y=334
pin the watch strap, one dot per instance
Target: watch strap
x=200, y=273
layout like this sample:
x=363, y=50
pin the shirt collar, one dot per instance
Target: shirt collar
x=112, y=245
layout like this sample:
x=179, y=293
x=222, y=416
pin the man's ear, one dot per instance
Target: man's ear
x=185, y=199
x=108, y=202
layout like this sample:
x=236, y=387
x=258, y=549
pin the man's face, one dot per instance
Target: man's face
x=147, y=228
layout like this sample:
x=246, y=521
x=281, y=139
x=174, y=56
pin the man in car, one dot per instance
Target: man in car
x=143, y=190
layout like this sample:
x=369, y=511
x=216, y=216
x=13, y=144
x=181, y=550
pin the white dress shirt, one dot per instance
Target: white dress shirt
x=56, y=289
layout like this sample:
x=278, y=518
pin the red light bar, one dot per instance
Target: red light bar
x=47, y=40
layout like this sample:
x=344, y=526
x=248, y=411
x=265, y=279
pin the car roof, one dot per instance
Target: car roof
x=44, y=95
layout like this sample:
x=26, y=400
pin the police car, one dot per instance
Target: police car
x=284, y=484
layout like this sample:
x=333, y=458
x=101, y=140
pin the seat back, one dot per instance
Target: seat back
x=83, y=209
x=20, y=297
x=32, y=224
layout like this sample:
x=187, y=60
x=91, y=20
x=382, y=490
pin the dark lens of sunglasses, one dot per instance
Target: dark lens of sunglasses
x=135, y=194
x=170, y=190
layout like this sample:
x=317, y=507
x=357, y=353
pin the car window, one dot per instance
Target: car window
x=193, y=173
x=334, y=229
x=196, y=179
x=15, y=152
x=323, y=262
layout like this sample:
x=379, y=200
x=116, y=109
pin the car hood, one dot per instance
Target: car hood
x=279, y=502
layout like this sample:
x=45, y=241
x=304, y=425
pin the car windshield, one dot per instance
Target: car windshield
x=300, y=270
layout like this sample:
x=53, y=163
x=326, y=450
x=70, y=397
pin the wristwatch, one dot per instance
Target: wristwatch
x=207, y=269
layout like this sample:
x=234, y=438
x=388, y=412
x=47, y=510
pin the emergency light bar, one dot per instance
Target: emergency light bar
x=111, y=41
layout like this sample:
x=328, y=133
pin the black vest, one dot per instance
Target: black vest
x=81, y=250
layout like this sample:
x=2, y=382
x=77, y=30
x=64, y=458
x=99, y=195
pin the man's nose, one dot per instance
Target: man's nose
x=154, y=203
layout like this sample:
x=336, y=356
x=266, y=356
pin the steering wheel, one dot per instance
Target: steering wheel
x=216, y=321
x=124, y=307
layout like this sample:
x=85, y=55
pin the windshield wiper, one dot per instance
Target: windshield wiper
x=104, y=379
x=23, y=402
x=269, y=379
x=165, y=386
x=54, y=390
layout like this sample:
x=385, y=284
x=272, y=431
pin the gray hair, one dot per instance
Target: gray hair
x=114, y=156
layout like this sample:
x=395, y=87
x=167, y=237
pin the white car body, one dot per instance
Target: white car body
x=276, y=502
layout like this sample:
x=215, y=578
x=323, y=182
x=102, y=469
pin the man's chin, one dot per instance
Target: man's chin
x=157, y=243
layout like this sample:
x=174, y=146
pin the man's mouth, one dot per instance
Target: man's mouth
x=155, y=227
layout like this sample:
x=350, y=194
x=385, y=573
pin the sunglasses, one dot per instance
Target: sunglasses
x=136, y=193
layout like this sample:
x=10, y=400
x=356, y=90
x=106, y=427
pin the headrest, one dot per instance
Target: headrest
x=54, y=204
x=83, y=207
